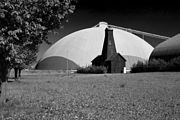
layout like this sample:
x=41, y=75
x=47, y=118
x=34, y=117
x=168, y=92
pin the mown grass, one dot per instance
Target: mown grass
x=142, y=96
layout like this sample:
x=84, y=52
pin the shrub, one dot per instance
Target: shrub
x=156, y=65
x=173, y=64
x=139, y=67
x=92, y=69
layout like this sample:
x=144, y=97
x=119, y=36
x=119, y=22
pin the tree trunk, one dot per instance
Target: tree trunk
x=15, y=73
x=0, y=88
x=3, y=76
x=19, y=72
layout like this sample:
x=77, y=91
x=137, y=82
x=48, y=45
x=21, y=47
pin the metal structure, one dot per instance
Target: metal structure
x=135, y=31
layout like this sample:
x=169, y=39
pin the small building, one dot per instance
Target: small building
x=113, y=61
x=114, y=64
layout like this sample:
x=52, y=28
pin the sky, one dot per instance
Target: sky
x=153, y=16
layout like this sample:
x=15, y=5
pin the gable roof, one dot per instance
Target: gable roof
x=98, y=58
x=114, y=56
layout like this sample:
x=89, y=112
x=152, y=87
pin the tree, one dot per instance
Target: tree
x=27, y=23
x=24, y=57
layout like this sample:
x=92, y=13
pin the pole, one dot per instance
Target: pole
x=67, y=64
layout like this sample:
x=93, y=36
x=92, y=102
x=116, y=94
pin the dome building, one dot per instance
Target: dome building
x=80, y=48
x=168, y=49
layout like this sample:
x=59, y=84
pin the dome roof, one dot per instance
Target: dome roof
x=81, y=47
x=167, y=49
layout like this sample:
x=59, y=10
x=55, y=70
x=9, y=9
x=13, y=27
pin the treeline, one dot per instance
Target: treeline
x=157, y=65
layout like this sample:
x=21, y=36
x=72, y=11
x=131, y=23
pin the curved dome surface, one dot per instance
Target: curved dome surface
x=167, y=49
x=81, y=47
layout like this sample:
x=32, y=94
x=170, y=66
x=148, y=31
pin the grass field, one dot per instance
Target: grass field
x=57, y=96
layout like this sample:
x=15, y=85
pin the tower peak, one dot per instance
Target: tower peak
x=103, y=24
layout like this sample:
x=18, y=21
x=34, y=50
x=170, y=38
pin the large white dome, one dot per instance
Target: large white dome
x=81, y=47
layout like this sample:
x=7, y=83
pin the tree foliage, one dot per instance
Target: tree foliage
x=24, y=57
x=27, y=22
x=24, y=24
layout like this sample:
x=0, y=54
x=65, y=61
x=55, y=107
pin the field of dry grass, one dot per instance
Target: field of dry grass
x=56, y=96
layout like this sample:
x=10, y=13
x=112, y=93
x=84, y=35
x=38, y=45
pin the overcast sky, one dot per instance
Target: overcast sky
x=154, y=16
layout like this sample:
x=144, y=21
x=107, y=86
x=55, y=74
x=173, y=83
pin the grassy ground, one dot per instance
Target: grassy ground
x=56, y=96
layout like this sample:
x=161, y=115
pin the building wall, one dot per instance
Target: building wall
x=56, y=63
x=117, y=65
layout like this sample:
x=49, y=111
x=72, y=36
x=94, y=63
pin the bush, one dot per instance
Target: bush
x=92, y=69
x=174, y=65
x=139, y=67
x=156, y=65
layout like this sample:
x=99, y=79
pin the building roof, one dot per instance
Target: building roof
x=168, y=48
x=83, y=46
x=98, y=58
x=114, y=56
